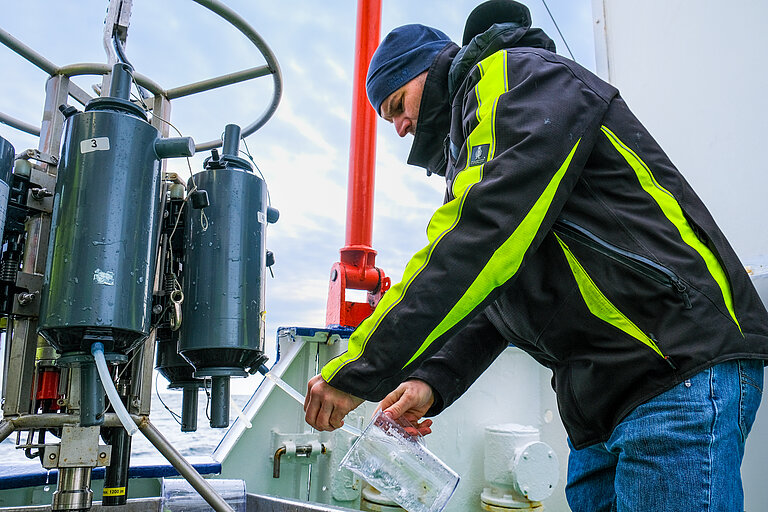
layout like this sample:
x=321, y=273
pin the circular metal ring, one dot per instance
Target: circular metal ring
x=177, y=296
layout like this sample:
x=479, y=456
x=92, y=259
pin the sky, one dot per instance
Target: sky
x=303, y=151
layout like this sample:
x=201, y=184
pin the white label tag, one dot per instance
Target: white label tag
x=261, y=217
x=97, y=144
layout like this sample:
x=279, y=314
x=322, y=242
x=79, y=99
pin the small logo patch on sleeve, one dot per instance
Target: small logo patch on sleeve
x=479, y=154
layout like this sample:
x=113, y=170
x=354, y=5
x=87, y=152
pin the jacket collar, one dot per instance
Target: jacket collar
x=449, y=69
x=497, y=37
x=429, y=142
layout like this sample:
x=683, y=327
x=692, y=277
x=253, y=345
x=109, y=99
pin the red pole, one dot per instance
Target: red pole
x=362, y=154
x=356, y=268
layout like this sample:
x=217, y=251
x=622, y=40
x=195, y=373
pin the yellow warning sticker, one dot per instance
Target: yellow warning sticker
x=114, y=491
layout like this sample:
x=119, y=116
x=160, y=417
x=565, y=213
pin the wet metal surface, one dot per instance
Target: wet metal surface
x=255, y=503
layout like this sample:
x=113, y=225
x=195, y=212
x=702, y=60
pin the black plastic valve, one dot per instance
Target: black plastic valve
x=199, y=199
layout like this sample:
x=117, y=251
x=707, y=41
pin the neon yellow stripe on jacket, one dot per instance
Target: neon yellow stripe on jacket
x=672, y=210
x=505, y=261
x=446, y=217
x=599, y=305
x=492, y=84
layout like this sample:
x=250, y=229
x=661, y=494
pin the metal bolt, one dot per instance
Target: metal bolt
x=52, y=456
x=334, y=274
x=157, y=309
x=40, y=193
x=25, y=298
x=102, y=455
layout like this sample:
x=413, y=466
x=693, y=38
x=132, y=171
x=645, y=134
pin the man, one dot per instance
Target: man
x=568, y=232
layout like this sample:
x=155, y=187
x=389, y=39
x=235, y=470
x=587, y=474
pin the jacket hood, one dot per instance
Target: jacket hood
x=513, y=34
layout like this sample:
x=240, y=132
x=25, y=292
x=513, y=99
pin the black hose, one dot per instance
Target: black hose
x=121, y=57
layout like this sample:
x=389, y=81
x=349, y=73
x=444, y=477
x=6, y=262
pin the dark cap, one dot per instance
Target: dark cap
x=404, y=54
x=494, y=11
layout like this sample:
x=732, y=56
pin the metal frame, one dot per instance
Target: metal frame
x=602, y=63
x=21, y=340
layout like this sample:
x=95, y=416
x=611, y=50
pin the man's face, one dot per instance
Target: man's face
x=402, y=106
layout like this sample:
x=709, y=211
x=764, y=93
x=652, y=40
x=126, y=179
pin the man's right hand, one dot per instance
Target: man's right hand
x=326, y=406
x=411, y=400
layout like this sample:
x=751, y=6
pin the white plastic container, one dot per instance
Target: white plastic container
x=400, y=467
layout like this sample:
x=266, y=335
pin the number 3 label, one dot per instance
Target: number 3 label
x=96, y=144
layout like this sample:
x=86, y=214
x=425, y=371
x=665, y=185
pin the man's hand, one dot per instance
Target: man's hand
x=411, y=401
x=326, y=406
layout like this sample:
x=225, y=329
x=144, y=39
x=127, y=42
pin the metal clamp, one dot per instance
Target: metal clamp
x=327, y=336
x=35, y=154
x=27, y=302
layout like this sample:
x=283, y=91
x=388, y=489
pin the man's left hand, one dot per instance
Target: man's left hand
x=326, y=406
x=410, y=401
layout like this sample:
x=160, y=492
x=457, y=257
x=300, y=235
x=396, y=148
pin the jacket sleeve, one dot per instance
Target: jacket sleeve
x=461, y=361
x=530, y=124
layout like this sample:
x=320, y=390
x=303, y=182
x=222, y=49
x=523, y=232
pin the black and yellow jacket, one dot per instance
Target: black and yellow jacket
x=566, y=231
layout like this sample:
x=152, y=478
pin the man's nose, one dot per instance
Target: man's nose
x=402, y=124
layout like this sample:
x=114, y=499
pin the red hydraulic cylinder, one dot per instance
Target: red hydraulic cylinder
x=356, y=268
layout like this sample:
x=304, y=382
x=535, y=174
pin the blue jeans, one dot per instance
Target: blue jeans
x=680, y=451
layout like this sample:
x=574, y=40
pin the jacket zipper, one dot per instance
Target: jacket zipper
x=636, y=262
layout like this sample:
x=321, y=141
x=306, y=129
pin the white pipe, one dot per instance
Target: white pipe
x=97, y=350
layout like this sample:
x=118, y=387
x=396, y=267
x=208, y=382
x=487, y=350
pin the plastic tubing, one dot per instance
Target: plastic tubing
x=349, y=429
x=241, y=414
x=97, y=350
